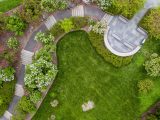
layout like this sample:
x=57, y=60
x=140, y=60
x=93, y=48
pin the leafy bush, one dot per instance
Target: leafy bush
x=145, y=86
x=152, y=65
x=6, y=74
x=79, y=22
x=56, y=30
x=67, y=25
x=152, y=23
x=42, y=37
x=26, y=105
x=13, y=43
x=15, y=24
x=53, y=5
x=42, y=71
x=99, y=27
x=35, y=96
x=125, y=7
x=45, y=53
x=98, y=43
x=31, y=11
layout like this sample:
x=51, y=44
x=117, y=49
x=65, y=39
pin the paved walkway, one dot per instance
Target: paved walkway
x=29, y=48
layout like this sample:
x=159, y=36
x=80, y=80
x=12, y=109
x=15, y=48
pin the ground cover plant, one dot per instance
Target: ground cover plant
x=84, y=75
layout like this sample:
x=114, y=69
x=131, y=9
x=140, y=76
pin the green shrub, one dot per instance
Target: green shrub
x=31, y=11
x=13, y=43
x=152, y=23
x=1, y=100
x=79, y=22
x=67, y=25
x=98, y=43
x=145, y=86
x=56, y=30
x=151, y=117
x=35, y=96
x=125, y=7
x=53, y=5
x=40, y=74
x=45, y=53
x=15, y=24
x=6, y=74
x=45, y=39
x=152, y=65
x=26, y=105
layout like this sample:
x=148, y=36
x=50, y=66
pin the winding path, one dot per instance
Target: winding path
x=28, y=51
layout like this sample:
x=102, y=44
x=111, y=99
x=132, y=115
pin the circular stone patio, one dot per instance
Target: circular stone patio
x=123, y=38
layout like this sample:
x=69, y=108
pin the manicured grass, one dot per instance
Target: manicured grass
x=6, y=94
x=6, y=5
x=84, y=75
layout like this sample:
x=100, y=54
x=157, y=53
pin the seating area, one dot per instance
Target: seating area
x=123, y=38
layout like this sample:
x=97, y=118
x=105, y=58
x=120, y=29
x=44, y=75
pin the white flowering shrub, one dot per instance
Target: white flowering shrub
x=6, y=74
x=42, y=37
x=104, y=4
x=53, y=5
x=40, y=74
x=99, y=27
x=13, y=43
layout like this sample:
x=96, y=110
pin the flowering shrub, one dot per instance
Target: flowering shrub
x=40, y=74
x=104, y=4
x=42, y=37
x=13, y=43
x=52, y=5
x=99, y=27
x=6, y=74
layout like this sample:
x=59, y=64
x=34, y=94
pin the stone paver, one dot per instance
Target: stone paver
x=26, y=57
x=78, y=11
x=50, y=22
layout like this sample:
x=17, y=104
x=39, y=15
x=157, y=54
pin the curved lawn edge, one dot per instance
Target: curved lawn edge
x=90, y=11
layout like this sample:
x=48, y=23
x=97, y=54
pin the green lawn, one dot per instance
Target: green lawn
x=6, y=5
x=6, y=95
x=84, y=75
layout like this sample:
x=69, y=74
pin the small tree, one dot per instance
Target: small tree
x=15, y=24
x=67, y=25
x=152, y=65
x=145, y=85
x=13, y=43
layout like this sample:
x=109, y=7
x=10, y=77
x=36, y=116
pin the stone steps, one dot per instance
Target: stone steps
x=78, y=11
x=50, y=22
x=19, y=90
x=107, y=19
x=7, y=115
x=26, y=57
